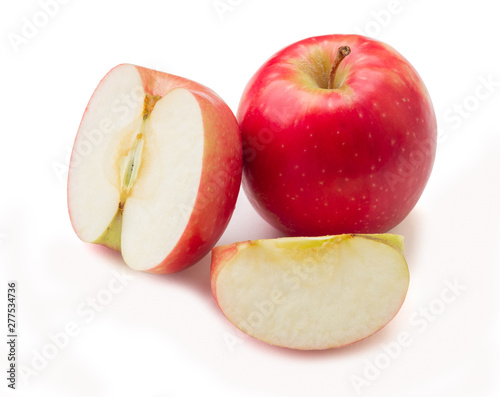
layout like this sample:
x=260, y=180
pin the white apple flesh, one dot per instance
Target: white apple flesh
x=311, y=293
x=155, y=170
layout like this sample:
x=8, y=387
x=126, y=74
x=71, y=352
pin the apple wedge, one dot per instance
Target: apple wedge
x=311, y=293
x=155, y=169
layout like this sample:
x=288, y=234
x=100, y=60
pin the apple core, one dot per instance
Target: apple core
x=129, y=166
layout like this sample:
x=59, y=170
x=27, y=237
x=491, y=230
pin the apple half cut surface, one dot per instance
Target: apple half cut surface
x=155, y=169
x=311, y=293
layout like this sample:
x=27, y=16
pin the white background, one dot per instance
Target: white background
x=163, y=336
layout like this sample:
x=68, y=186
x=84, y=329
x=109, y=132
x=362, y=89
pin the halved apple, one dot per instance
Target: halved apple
x=155, y=169
x=311, y=293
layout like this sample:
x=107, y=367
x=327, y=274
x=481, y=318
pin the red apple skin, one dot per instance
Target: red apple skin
x=221, y=171
x=221, y=255
x=350, y=160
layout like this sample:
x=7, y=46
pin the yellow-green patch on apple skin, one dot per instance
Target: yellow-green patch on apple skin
x=112, y=236
x=394, y=240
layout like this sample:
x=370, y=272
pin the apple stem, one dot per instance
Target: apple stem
x=149, y=104
x=342, y=52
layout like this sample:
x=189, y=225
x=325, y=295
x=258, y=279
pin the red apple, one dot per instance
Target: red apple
x=339, y=136
x=155, y=169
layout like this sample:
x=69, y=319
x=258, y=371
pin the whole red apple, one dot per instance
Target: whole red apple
x=339, y=136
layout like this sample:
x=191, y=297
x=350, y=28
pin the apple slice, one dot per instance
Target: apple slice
x=311, y=293
x=155, y=169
